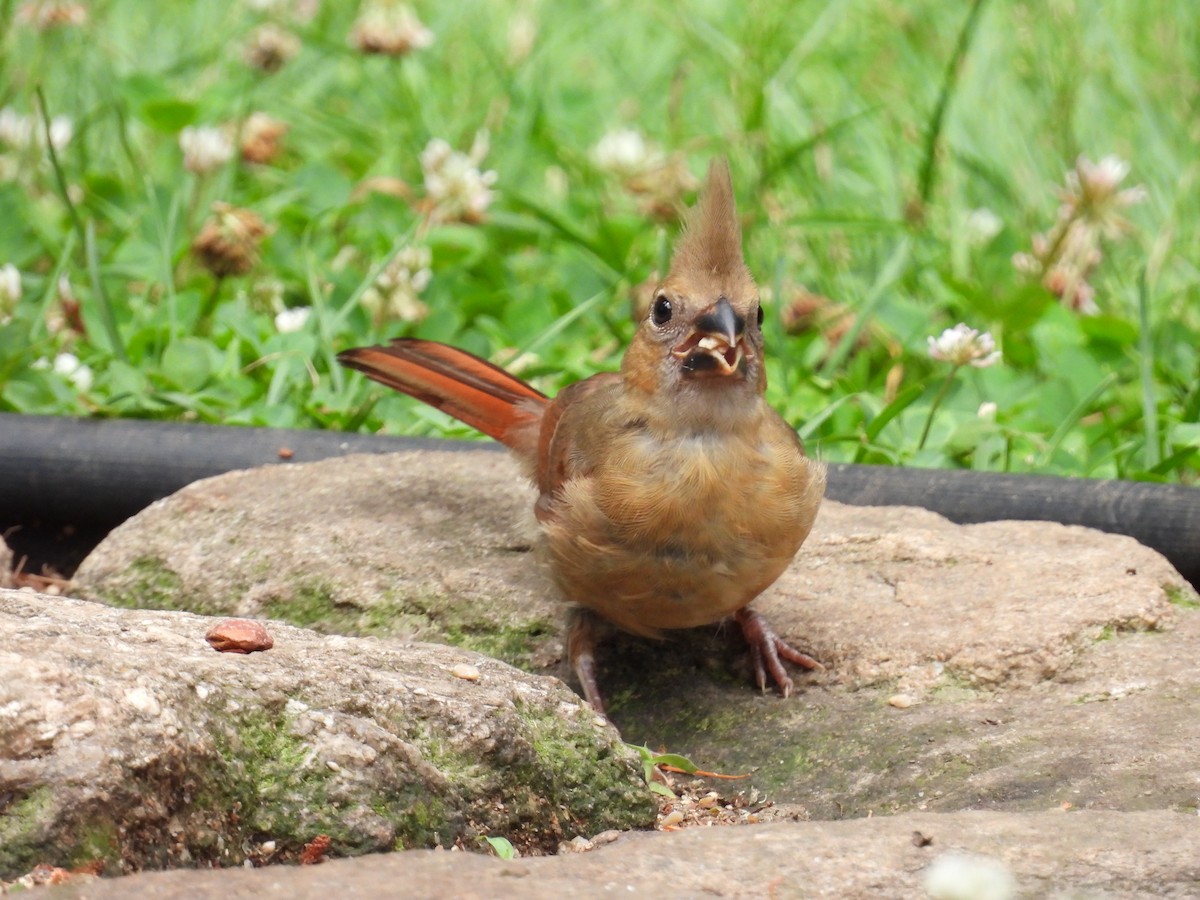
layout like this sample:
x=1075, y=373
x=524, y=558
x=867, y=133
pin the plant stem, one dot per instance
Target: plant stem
x=86, y=234
x=203, y=323
x=1146, y=371
x=59, y=178
x=106, y=311
x=949, y=81
x=937, y=401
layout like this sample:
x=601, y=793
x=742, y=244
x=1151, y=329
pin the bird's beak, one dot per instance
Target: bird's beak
x=714, y=346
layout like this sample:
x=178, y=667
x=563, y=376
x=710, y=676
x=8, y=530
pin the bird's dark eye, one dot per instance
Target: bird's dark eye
x=661, y=314
x=760, y=315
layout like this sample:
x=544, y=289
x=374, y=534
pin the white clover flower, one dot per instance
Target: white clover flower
x=262, y=137
x=1091, y=206
x=658, y=179
x=981, y=226
x=10, y=287
x=395, y=293
x=289, y=320
x=412, y=265
x=61, y=132
x=205, y=149
x=457, y=189
x=69, y=366
x=270, y=47
x=1092, y=194
x=625, y=152
x=522, y=35
x=390, y=28
x=16, y=130
x=47, y=14
x=969, y=876
x=962, y=346
x=21, y=132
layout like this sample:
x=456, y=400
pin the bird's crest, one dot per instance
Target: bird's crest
x=712, y=238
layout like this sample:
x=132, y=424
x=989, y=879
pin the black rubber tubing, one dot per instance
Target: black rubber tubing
x=99, y=472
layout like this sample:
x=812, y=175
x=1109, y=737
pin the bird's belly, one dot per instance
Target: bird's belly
x=676, y=539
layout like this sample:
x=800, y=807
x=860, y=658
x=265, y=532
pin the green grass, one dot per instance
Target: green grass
x=861, y=135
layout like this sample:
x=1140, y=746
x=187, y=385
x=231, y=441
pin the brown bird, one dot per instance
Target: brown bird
x=670, y=495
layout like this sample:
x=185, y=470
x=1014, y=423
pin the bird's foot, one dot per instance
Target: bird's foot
x=583, y=632
x=766, y=650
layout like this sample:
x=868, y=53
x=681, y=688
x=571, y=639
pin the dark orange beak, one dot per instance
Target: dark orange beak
x=714, y=346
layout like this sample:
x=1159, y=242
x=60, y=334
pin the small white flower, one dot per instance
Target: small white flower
x=625, y=152
x=47, y=14
x=1098, y=178
x=205, y=149
x=16, y=130
x=61, y=132
x=454, y=183
x=293, y=319
x=262, y=138
x=1092, y=194
x=987, y=411
x=981, y=226
x=962, y=346
x=69, y=366
x=10, y=287
x=21, y=132
x=270, y=47
x=658, y=179
x=391, y=28
x=1027, y=263
x=968, y=876
x=522, y=35
x=395, y=293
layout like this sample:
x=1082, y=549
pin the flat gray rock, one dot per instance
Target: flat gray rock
x=1023, y=690
x=436, y=545
x=982, y=856
x=125, y=738
x=430, y=546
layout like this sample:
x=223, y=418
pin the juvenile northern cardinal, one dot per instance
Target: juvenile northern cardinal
x=670, y=494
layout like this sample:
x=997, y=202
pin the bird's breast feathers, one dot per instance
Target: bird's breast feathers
x=678, y=532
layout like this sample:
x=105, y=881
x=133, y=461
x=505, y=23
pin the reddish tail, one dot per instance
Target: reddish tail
x=461, y=384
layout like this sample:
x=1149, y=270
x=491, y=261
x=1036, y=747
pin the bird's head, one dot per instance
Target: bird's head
x=702, y=334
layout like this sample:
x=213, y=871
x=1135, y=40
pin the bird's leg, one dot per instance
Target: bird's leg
x=584, y=629
x=766, y=647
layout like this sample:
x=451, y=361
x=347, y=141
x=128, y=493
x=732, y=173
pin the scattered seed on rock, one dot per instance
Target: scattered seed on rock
x=314, y=851
x=577, y=844
x=900, y=701
x=239, y=636
x=466, y=672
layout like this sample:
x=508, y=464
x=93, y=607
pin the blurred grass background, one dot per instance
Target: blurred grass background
x=889, y=158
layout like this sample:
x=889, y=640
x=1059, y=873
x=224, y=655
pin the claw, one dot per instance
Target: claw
x=766, y=648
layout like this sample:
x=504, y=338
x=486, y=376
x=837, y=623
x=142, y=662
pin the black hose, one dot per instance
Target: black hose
x=95, y=473
x=85, y=471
